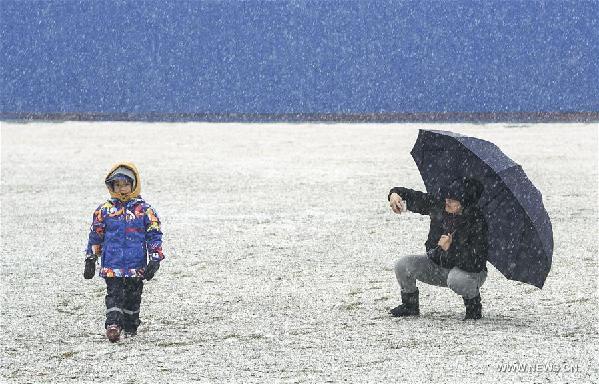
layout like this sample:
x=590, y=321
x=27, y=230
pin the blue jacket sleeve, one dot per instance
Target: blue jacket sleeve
x=153, y=234
x=96, y=233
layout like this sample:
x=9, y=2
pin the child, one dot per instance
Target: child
x=125, y=232
x=456, y=246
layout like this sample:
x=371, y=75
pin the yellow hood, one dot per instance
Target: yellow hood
x=136, y=182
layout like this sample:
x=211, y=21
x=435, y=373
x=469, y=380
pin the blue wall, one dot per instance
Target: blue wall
x=299, y=56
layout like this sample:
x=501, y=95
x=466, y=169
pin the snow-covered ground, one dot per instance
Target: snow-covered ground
x=280, y=246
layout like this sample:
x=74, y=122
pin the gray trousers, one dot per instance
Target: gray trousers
x=410, y=268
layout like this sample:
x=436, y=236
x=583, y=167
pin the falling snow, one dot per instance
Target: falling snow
x=280, y=246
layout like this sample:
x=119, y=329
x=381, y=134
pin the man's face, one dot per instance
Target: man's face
x=453, y=206
x=123, y=187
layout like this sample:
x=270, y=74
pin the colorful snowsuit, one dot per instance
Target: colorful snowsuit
x=125, y=231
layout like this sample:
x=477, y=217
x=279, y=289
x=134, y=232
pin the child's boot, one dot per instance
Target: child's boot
x=130, y=327
x=113, y=333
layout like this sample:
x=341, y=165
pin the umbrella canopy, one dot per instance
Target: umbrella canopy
x=520, y=232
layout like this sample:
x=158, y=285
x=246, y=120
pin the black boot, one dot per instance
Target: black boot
x=409, y=305
x=130, y=326
x=473, y=308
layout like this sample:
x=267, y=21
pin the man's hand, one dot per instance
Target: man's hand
x=445, y=242
x=396, y=203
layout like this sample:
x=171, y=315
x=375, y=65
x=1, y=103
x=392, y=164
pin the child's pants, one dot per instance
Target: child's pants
x=123, y=298
x=408, y=269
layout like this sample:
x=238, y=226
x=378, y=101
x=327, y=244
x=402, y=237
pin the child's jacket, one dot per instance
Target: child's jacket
x=124, y=231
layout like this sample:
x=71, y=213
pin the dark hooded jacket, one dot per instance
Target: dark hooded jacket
x=468, y=250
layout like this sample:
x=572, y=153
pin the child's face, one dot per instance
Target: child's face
x=122, y=186
x=453, y=206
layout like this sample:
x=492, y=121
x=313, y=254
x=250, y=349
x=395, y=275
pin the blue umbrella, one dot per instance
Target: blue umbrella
x=520, y=232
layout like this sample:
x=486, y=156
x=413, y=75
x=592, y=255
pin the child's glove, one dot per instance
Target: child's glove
x=151, y=269
x=90, y=266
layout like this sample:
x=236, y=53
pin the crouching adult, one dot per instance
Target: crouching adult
x=456, y=247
